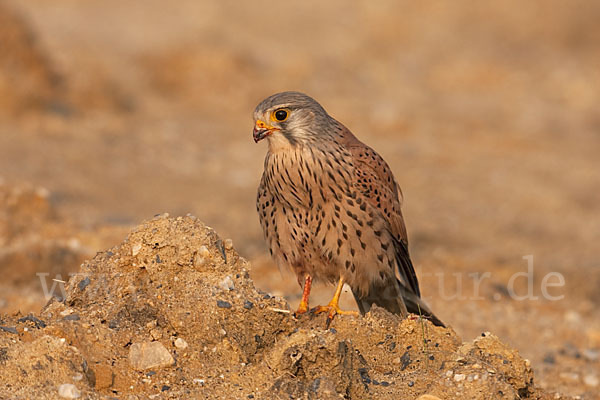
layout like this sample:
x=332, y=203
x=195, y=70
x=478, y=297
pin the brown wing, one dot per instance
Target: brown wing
x=374, y=179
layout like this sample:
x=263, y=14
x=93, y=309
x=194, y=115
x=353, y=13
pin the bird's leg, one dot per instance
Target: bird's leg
x=333, y=307
x=303, y=306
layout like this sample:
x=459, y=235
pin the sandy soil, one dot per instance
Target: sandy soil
x=112, y=112
x=172, y=313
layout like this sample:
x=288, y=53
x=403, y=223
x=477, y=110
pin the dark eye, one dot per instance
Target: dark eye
x=281, y=115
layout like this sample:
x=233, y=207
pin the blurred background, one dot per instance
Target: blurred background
x=487, y=112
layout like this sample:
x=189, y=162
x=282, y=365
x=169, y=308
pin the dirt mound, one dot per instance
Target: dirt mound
x=172, y=312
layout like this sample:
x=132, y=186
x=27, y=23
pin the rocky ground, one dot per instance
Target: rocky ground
x=173, y=313
x=112, y=112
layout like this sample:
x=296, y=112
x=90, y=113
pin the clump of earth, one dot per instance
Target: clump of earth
x=171, y=312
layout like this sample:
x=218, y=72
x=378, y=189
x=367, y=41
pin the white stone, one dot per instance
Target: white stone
x=591, y=380
x=569, y=376
x=66, y=312
x=203, y=251
x=201, y=256
x=135, y=249
x=227, y=283
x=180, y=343
x=68, y=391
x=459, y=377
x=148, y=355
x=591, y=355
x=572, y=317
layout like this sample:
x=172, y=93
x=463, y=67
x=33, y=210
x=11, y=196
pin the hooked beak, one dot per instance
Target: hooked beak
x=262, y=130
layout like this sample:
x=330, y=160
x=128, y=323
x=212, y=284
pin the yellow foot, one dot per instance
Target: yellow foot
x=332, y=309
x=302, y=308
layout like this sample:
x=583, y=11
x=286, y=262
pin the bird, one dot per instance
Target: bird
x=329, y=208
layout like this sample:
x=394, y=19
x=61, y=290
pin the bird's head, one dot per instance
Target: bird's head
x=290, y=118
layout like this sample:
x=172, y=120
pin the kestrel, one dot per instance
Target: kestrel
x=329, y=207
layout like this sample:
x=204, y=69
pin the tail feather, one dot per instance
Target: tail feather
x=416, y=305
x=397, y=299
x=388, y=297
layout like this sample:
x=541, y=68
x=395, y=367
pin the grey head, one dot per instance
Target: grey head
x=291, y=118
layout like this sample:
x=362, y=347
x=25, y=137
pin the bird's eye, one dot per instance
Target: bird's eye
x=280, y=115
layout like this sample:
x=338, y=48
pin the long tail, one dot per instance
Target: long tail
x=397, y=299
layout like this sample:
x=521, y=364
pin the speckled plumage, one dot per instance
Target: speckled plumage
x=329, y=207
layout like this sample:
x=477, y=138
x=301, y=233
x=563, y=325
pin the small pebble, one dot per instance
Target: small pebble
x=201, y=256
x=549, y=359
x=203, y=252
x=572, y=317
x=72, y=317
x=199, y=261
x=569, y=376
x=156, y=334
x=9, y=329
x=228, y=244
x=180, y=343
x=148, y=355
x=591, y=380
x=227, y=283
x=223, y=304
x=591, y=355
x=199, y=381
x=31, y=318
x=411, y=384
x=83, y=283
x=68, y=391
x=459, y=377
x=248, y=305
x=165, y=388
x=135, y=249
